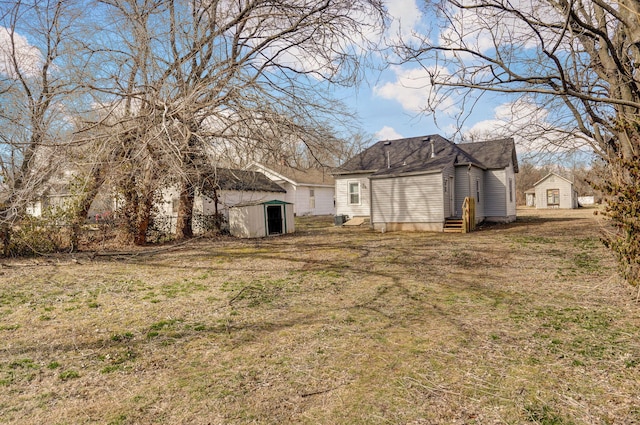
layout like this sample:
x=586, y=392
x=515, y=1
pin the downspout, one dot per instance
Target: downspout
x=370, y=204
x=469, y=181
x=266, y=228
x=284, y=218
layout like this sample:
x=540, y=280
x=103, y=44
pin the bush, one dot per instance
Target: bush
x=39, y=235
x=622, y=191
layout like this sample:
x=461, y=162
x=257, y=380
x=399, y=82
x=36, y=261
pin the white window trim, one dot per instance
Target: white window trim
x=349, y=183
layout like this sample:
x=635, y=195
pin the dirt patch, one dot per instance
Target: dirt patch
x=518, y=323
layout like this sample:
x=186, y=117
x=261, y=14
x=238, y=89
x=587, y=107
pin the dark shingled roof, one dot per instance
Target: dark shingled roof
x=242, y=180
x=493, y=153
x=414, y=155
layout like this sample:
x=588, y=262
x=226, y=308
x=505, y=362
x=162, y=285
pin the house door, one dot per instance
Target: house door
x=274, y=219
x=452, y=198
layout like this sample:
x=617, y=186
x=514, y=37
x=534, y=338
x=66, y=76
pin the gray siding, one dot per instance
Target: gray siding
x=463, y=178
x=496, y=193
x=415, y=199
x=500, y=199
x=447, y=173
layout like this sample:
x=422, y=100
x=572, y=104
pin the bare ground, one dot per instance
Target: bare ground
x=514, y=324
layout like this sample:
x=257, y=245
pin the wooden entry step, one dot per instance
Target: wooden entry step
x=453, y=225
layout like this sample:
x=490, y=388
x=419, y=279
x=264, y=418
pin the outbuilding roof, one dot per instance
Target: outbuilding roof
x=240, y=180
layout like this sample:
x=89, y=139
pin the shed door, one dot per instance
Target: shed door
x=274, y=219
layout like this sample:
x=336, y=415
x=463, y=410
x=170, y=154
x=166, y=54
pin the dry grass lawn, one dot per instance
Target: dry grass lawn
x=512, y=324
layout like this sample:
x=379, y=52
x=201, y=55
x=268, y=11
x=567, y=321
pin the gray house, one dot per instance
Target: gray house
x=555, y=191
x=418, y=183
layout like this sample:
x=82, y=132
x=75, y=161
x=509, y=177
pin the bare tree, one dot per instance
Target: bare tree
x=235, y=76
x=37, y=40
x=576, y=58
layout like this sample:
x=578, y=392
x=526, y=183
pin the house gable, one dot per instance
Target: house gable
x=312, y=190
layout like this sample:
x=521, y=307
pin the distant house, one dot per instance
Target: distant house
x=418, y=183
x=310, y=190
x=56, y=197
x=217, y=191
x=554, y=191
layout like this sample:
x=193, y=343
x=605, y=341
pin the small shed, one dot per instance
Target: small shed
x=555, y=191
x=261, y=219
x=530, y=197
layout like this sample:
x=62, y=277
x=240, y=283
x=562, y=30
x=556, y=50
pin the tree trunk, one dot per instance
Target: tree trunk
x=184, y=224
x=144, y=219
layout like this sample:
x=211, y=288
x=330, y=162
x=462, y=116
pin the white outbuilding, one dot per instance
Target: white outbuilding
x=555, y=191
x=261, y=219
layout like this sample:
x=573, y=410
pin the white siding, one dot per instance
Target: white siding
x=342, y=196
x=554, y=182
x=301, y=200
x=290, y=196
x=511, y=199
x=325, y=197
x=249, y=221
x=300, y=197
x=204, y=205
x=415, y=199
x=34, y=209
x=299, y=194
x=229, y=198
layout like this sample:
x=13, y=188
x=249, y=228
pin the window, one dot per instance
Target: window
x=553, y=197
x=175, y=204
x=446, y=186
x=354, y=193
x=510, y=190
x=478, y=191
x=312, y=199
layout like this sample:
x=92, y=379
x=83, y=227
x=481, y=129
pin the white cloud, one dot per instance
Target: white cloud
x=405, y=17
x=413, y=90
x=529, y=124
x=27, y=56
x=484, y=29
x=322, y=51
x=387, y=133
